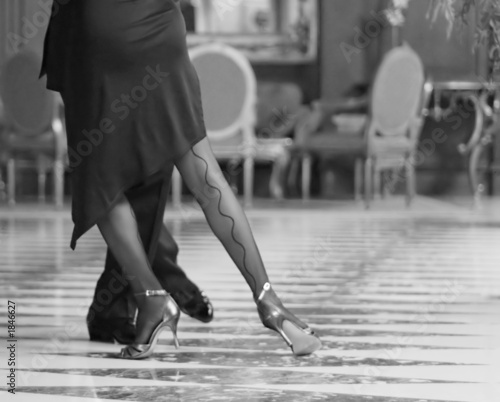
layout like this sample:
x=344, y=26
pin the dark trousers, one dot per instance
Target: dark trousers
x=112, y=294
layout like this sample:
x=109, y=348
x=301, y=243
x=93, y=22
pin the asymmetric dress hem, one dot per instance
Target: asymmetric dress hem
x=131, y=94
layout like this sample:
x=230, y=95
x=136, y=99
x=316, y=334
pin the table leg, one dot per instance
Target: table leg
x=474, y=148
x=476, y=186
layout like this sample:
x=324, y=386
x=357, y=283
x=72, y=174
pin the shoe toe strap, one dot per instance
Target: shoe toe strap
x=132, y=350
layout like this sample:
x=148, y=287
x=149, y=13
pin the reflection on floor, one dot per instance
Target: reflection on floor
x=406, y=302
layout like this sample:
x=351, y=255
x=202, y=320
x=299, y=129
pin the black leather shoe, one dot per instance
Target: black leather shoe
x=115, y=323
x=195, y=304
x=111, y=330
x=105, y=327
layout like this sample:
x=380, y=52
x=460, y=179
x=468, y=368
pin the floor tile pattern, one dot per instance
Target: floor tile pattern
x=407, y=303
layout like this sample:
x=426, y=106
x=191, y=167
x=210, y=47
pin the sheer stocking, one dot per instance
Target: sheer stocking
x=204, y=178
x=120, y=231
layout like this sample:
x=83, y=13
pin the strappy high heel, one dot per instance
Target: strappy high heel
x=273, y=315
x=171, y=314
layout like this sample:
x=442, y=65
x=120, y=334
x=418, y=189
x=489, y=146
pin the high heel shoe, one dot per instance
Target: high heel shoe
x=171, y=314
x=300, y=338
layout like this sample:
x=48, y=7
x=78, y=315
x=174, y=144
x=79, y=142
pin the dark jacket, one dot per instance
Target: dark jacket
x=58, y=44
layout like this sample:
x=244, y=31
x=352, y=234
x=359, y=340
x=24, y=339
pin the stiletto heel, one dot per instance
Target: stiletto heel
x=171, y=314
x=273, y=315
x=173, y=328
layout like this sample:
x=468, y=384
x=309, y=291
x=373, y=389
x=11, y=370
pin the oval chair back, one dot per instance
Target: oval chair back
x=397, y=92
x=229, y=95
x=228, y=91
x=28, y=105
x=34, y=132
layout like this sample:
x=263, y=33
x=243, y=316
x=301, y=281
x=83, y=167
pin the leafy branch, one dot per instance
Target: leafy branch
x=457, y=13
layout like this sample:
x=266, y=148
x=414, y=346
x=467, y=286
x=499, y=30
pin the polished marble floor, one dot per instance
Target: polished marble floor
x=407, y=303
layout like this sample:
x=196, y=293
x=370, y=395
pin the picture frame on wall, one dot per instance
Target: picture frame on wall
x=268, y=31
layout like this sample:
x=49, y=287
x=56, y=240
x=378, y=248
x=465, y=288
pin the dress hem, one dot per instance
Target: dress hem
x=78, y=234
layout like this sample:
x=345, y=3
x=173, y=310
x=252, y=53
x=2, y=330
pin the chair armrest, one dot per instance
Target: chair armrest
x=272, y=149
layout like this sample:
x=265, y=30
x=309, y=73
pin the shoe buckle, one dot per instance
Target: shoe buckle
x=149, y=293
x=265, y=288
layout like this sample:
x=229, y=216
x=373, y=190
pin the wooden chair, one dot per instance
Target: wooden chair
x=229, y=97
x=34, y=133
x=389, y=137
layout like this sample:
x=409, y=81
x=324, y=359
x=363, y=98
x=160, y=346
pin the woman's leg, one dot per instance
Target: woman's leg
x=203, y=176
x=120, y=231
x=115, y=318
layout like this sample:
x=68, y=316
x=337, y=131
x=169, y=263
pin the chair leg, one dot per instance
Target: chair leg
x=42, y=184
x=248, y=171
x=3, y=187
x=275, y=187
x=368, y=181
x=59, y=183
x=176, y=188
x=377, y=182
x=306, y=177
x=386, y=179
x=293, y=175
x=358, y=179
x=11, y=181
x=42, y=167
x=278, y=175
x=233, y=170
x=410, y=181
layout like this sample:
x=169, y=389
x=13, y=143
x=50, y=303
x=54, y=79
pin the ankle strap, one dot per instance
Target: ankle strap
x=148, y=293
x=265, y=288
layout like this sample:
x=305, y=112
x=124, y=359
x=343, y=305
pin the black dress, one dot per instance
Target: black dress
x=132, y=96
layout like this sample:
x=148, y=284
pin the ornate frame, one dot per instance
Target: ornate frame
x=275, y=48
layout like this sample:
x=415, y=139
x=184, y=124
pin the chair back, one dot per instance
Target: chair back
x=28, y=105
x=397, y=92
x=228, y=92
